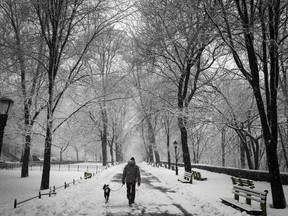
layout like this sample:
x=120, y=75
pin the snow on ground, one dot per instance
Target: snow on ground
x=159, y=194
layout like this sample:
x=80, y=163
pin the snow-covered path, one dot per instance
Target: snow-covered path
x=151, y=197
x=159, y=194
x=159, y=201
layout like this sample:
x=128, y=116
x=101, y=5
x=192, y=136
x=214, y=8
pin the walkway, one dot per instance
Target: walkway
x=157, y=205
x=152, y=198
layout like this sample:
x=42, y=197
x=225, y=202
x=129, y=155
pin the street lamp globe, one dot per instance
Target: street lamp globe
x=5, y=105
x=175, y=144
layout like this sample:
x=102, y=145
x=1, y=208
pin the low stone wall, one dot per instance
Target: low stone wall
x=256, y=175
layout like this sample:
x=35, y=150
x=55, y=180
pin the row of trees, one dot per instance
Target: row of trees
x=46, y=52
x=197, y=44
x=93, y=74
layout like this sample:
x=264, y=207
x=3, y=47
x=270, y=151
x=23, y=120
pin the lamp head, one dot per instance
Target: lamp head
x=175, y=144
x=5, y=105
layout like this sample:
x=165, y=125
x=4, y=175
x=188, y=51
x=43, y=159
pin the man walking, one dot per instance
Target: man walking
x=131, y=174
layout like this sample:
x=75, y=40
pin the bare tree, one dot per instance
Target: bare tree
x=254, y=32
x=26, y=48
x=176, y=35
x=61, y=23
x=106, y=78
x=238, y=111
x=62, y=148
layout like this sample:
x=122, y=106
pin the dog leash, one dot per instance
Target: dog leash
x=119, y=188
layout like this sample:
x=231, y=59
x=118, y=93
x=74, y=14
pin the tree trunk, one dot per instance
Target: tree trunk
x=150, y=152
x=151, y=137
x=223, y=136
x=104, y=118
x=168, y=149
x=104, y=147
x=271, y=139
x=77, y=154
x=119, y=157
x=242, y=155
x=275, y=178
x=183, y=101
x=47, y=151
x=256, y=154
x=61, y=158
x=185, y=149
x=245, y=148
x=248, y=154
x=28, y=127
x=48, y=139
x=27, y=104
x=26, y=157
x=111, y=153
x=283, y=141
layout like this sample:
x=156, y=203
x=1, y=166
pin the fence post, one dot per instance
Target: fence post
x=78, y=168
x=68, y=167
x=39, y=196
x=15, y=203
x=65, y=185
x=59, y=167
x=73, y=181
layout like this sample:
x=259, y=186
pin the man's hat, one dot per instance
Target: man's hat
x=132, y=158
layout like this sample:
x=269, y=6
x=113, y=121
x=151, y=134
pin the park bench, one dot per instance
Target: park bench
x=187, y=178
x=158, y=165
x=242, y=182
x=87, y=175
x=197, y=176
x=248, y=195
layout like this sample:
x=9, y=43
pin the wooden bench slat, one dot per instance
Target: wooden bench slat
x=249, y=195
x=187, y=178
x=258, y=196
x=249, y=209
x=197, y=176
x=252, y=191
x=242, y=182
x=87, y=175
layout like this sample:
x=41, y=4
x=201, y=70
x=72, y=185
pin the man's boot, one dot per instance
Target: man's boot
x=129, y=199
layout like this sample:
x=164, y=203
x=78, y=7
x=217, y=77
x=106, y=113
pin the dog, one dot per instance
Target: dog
x=107, y=190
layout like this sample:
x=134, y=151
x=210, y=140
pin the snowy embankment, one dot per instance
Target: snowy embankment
x=160, y=193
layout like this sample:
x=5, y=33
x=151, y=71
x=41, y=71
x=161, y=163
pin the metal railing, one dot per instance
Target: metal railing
x=55, y=167
x=9, y=165
x=66, y=185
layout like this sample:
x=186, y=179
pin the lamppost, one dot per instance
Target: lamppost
x=175, y=143
x=5, y=107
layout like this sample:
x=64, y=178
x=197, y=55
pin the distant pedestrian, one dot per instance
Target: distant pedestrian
x=131, y=174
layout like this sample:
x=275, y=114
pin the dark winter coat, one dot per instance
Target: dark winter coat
x=131, y=173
